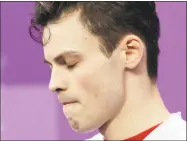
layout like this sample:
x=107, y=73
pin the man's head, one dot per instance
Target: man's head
x=92, y=48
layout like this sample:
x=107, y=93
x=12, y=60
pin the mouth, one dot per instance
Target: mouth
x=68, y=103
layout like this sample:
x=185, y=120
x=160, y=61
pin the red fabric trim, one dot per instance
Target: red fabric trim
x=143, y=134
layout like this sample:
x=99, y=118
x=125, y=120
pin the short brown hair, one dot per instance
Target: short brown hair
x=109, y=21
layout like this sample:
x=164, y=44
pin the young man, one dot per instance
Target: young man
x=103, y=58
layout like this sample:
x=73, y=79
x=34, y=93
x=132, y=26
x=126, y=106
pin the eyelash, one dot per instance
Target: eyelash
x=68, y=66
x=71, y=66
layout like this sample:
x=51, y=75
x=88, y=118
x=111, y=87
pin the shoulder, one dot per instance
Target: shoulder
x=177, y=126
x=179, y=129
x=172, y=129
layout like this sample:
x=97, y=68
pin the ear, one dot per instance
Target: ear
x=134, y=49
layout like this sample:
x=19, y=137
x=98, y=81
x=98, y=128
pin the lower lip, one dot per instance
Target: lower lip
x=71, y=103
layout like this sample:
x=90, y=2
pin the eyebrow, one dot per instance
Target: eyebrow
x=62, y=55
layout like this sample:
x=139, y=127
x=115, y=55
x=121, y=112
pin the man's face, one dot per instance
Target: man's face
x=80, y=73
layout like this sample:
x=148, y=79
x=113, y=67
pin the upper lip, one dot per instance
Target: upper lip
x=66, y=99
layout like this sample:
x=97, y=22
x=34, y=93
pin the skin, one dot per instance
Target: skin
x=110, y=93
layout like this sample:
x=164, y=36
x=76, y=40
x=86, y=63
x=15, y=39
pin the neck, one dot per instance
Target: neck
x=142, y=109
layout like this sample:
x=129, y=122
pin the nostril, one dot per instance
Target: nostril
x=58, y=90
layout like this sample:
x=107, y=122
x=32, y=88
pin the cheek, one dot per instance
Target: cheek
x=100, y=83
x=82, y=80
x=88, y=84
x=100, y=90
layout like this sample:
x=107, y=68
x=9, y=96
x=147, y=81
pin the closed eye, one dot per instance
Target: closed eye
x=72, y=66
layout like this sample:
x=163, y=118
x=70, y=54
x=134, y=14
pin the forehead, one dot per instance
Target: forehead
x=69, y=34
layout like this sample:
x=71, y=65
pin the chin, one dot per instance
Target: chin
x=83, y=128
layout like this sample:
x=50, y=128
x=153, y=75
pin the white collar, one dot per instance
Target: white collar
x=172, y=129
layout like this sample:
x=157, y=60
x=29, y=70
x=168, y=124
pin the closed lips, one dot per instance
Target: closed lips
x=71, y=102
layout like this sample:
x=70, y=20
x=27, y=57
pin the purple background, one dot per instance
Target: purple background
x=30, y=111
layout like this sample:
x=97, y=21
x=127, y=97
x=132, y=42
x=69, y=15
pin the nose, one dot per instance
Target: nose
x=58, y=82
x=57, y=88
